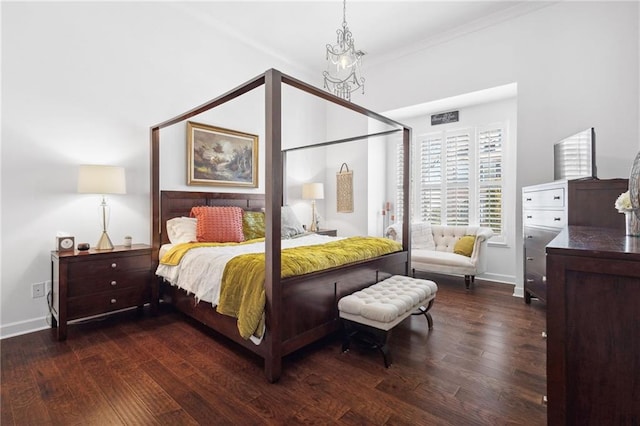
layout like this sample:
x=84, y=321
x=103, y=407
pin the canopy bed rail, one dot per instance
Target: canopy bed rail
x=302, y=309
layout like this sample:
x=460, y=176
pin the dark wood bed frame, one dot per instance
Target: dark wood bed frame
x=299, y=310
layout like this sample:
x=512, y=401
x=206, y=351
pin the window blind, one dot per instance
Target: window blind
x=490, y=157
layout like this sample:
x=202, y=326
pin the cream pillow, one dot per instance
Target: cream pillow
x=182, y=230
x=291, y=226
x=421, y=236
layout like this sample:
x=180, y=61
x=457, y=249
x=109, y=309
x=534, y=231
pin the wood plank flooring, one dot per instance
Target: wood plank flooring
x=482, y=364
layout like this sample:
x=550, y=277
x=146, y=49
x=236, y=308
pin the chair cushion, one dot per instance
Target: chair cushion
x=433, y=257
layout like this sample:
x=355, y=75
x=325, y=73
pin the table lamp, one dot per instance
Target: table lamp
x=313, y=192
x=94, y=179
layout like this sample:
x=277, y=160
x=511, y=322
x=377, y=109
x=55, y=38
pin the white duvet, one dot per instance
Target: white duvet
x=200, y=270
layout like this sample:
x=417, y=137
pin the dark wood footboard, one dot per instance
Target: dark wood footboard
x=310, y=307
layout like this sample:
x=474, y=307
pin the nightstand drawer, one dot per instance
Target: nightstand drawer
x=109, y=282
x=99, y=303
x=110, y=267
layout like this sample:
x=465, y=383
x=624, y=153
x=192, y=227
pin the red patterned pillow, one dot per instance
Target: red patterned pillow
x=218, y=224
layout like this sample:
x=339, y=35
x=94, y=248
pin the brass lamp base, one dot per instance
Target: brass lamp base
x=314, y=226
x=104, y=243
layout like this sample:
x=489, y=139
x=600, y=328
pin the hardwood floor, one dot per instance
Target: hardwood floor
x=482, y=364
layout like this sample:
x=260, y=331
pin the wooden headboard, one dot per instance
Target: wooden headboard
x=179, y=203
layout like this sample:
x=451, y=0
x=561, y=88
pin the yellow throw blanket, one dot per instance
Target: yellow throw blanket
x=242, y=293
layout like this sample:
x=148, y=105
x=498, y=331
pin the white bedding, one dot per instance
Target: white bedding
x=200, y=270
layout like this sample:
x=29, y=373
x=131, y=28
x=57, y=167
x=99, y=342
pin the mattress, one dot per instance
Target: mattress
x=200, y=270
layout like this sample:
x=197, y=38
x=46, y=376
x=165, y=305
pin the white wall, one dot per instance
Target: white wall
x=83, y=83
x=576, y=65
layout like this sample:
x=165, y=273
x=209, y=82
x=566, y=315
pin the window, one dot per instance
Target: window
x=490, y=178
x=459, y=177
x=399, y=184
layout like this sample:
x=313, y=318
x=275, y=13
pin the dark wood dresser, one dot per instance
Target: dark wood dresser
x=93, y=282
x=548, y=207
x=593, y=327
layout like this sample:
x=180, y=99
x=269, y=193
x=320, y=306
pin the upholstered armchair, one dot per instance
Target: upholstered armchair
x=443, y=249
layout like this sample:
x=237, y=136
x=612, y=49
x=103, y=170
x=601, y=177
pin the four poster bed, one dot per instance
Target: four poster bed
x=299, y=309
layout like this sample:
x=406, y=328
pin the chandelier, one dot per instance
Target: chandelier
x=343, y=63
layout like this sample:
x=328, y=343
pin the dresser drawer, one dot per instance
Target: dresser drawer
x=535, y=261
x=547, y=218
x=538, y=238
x=108, y=267
x=544, y=198
x=99, y=303
x=536, y=285
x=108, y=282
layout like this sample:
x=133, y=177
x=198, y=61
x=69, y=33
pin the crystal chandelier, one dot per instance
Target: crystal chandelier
x=343, y=63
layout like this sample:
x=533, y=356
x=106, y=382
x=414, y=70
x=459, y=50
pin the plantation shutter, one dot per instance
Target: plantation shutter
x=490, y=157
x=431, y=178
x=399, y=184
x=457, y=163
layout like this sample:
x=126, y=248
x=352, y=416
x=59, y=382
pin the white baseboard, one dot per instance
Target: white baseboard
x=23, y=327
x=505, y=279
x=498, y=278
x=518, y=291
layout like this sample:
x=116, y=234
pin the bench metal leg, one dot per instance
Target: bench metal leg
x=425, y=311
x=367, y=336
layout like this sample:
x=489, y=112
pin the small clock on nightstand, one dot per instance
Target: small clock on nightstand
x=65, y=244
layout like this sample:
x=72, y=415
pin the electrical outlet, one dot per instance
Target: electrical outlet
x=37, y=290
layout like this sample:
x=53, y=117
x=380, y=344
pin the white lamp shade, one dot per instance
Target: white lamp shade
x=94, y=179
x=313, y=191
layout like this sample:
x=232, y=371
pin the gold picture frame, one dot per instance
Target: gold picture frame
x=221, y=157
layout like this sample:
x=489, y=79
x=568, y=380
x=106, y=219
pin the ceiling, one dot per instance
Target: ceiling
x=298, y=31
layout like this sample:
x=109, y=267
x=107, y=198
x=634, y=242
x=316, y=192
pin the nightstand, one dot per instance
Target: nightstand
x=329, y=232
x=94, y=282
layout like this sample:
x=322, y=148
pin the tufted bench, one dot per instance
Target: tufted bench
x=370, y=314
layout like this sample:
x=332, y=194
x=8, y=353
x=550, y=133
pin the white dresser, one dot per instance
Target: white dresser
x=549, y=207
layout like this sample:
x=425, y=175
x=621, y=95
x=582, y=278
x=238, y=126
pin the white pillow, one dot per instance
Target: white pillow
x=182, y=230
x=291, y=226
x=421, y=236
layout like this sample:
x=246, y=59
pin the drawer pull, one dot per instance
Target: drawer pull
x=529, y=236
x=529, y=280
x=527, y=199
x=113, y=301
x=557, y=219
x=529, y=216
x=114, y=265
x=113, y=283
x=556, y=197
x=529, y=258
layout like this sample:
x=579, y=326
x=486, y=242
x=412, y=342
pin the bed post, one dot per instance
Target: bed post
x=155, y=195
x=406, y=182
x=273, y=203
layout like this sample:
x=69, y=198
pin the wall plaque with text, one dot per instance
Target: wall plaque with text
x=445, y=117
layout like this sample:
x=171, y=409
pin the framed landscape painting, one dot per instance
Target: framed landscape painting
x=221, y=157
